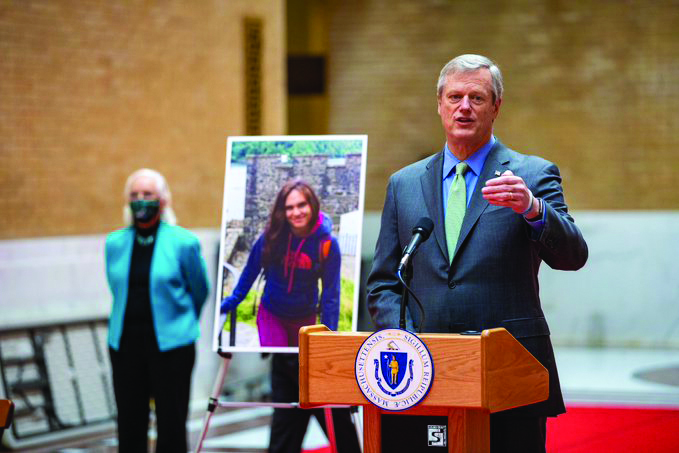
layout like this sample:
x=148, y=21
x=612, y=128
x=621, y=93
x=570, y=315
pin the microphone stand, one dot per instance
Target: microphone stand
x=404, y=278
x=402, y=275
x=421, y=233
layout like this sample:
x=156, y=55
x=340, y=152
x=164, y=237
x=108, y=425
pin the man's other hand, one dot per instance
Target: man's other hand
x=510, y=191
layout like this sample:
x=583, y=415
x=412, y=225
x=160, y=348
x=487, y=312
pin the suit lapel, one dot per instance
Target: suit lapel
x=431, y=181
x=497, y=160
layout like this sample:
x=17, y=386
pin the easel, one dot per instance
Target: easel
x=214, y=402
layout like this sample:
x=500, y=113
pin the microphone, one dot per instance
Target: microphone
x=421, y=233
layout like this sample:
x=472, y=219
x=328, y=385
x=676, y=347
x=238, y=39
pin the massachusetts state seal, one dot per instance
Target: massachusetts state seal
x=394, y=369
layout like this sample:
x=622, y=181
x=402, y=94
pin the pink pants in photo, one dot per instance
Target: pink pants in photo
x=277, y=331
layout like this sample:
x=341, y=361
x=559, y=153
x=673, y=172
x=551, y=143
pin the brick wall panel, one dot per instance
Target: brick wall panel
x=92, y=90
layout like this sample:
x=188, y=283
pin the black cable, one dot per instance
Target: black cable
x=419, y=304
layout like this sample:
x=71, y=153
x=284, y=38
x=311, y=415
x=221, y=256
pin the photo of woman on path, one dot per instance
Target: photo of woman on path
x=290, y=250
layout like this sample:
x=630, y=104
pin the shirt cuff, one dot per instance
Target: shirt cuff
x=538, y=223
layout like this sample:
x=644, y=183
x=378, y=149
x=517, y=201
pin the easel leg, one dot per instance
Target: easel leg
x=358, y=424
x=214, y=398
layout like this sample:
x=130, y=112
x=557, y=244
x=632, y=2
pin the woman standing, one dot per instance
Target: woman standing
x=295, y=251
x=159, y=283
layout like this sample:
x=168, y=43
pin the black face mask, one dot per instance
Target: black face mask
x=143, y=211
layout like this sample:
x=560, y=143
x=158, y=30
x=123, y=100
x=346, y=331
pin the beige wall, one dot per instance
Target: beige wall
x=92, y=90
x=591, y=85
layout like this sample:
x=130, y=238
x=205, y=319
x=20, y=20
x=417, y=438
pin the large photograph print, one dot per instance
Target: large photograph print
x=290, y=240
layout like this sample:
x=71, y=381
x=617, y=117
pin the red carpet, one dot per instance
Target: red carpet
x=608, y=429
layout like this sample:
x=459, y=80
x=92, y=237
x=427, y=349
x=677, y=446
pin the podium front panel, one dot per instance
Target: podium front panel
x=329, y=369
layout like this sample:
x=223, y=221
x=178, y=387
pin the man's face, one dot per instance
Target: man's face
x=467, y=109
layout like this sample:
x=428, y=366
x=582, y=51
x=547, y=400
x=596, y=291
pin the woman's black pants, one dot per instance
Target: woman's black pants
x=142, y=372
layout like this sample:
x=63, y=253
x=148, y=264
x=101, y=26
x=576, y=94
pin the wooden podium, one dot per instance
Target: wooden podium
x=475, y=375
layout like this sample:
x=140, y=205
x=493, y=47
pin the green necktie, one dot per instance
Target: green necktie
x=455, y=208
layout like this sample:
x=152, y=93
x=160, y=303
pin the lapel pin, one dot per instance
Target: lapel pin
x=497, y=173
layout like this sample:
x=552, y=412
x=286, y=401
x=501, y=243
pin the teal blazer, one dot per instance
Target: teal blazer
x=178, y=284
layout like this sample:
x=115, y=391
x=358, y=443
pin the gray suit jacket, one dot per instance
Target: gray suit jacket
x=493, y=279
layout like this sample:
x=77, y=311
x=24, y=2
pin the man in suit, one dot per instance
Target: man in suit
x=497, y=215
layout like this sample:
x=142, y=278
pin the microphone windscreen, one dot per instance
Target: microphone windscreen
x=424, y=226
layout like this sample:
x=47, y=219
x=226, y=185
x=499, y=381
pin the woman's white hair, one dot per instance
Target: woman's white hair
x=468, y=63
x=167, y=214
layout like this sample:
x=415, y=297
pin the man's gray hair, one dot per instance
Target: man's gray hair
x=468, y=63
x=167, y=215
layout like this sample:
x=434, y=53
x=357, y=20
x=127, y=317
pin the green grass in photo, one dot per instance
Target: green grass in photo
x=246, y=313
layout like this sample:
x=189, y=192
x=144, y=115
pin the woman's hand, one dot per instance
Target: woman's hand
x=228, y=304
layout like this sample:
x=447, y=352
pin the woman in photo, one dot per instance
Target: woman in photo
x=159, y=283
x=295, y=251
